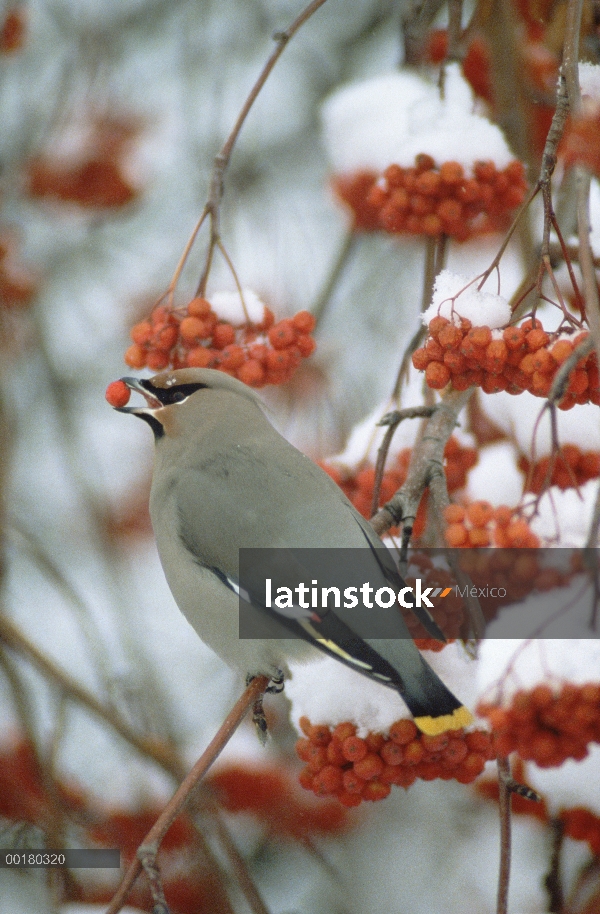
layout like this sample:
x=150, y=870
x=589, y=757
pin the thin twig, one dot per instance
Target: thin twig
x=221, y=162
x=153, y=839
x=504, y=801
x=393, y=420
x=240, y=869
x=435, y=254
x=455, y=50
x=553, y=881
x=338, y=266
x=427, y=459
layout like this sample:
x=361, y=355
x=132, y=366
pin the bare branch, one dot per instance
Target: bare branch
x=504, y=795
x=221, y=162
x=153, y=839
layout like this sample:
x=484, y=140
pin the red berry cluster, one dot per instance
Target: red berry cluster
x=13, y=30
x=270, y=794
x=18, y=284
x=478, y=524
x=433, y=200
x=94, y=183
x=458, y=460
x=514, y=359
x=96, y=177
x=195, y=337
x=547, y=726
x=582, y=825
x=567, y=469
x=581, y=142
x=341, y=764
x=475, y=64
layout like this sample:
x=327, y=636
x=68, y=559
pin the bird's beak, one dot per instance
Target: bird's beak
x=136, y=385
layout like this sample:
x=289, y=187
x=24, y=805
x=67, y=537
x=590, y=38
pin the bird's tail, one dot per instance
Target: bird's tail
x=433, y=706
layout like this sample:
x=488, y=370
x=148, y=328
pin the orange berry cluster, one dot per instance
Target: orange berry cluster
x=567, y=469
x=582, y=825
x=195, y=337
x=479, y=524
x=458, y=460
x=546, y=726
x=18, y=284
x=96, y=183
x=341, y=764
x=475, y=64
x=581, y=142
x=13, y=30
x=514, y=359
x=433, y=200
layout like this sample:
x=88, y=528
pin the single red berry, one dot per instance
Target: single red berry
x=352, y=782
x=376, y=790
x=200, y=357
x=282, y=334
x=403, y=731
x=223, y=335
x=369, y=767
x=135, y=356
x=251, y=373
x=343, y=731
x=117, y=393
x=141, y=333
x=306, y=344
x=328, y=780
x=304, y=322
x=354, y=748
x=319, y=734
x=199, y=307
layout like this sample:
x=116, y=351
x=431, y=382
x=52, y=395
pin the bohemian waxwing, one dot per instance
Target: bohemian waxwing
x=223, y=480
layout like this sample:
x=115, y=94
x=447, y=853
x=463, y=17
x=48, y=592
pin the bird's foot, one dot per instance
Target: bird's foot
x=276, y=683
x=260, y=721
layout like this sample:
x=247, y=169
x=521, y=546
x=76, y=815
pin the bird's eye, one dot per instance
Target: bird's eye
x=178, y=396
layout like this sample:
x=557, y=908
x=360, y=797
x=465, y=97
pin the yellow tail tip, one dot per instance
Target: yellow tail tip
x=432, y=726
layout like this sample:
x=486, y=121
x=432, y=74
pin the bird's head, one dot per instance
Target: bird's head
x=167, y=392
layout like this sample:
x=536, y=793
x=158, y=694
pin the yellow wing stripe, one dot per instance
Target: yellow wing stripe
x=332, y=646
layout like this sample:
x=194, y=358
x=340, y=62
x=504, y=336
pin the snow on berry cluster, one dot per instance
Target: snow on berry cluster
x=251, y=347
x=514, y=359
x=400, y=160
x=546, y=725
x=479, y=524
x=358, y=487
x=353, y=769
x=567, y=469
x=430, y=199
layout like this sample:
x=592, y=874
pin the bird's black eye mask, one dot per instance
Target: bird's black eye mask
x=169, y=395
